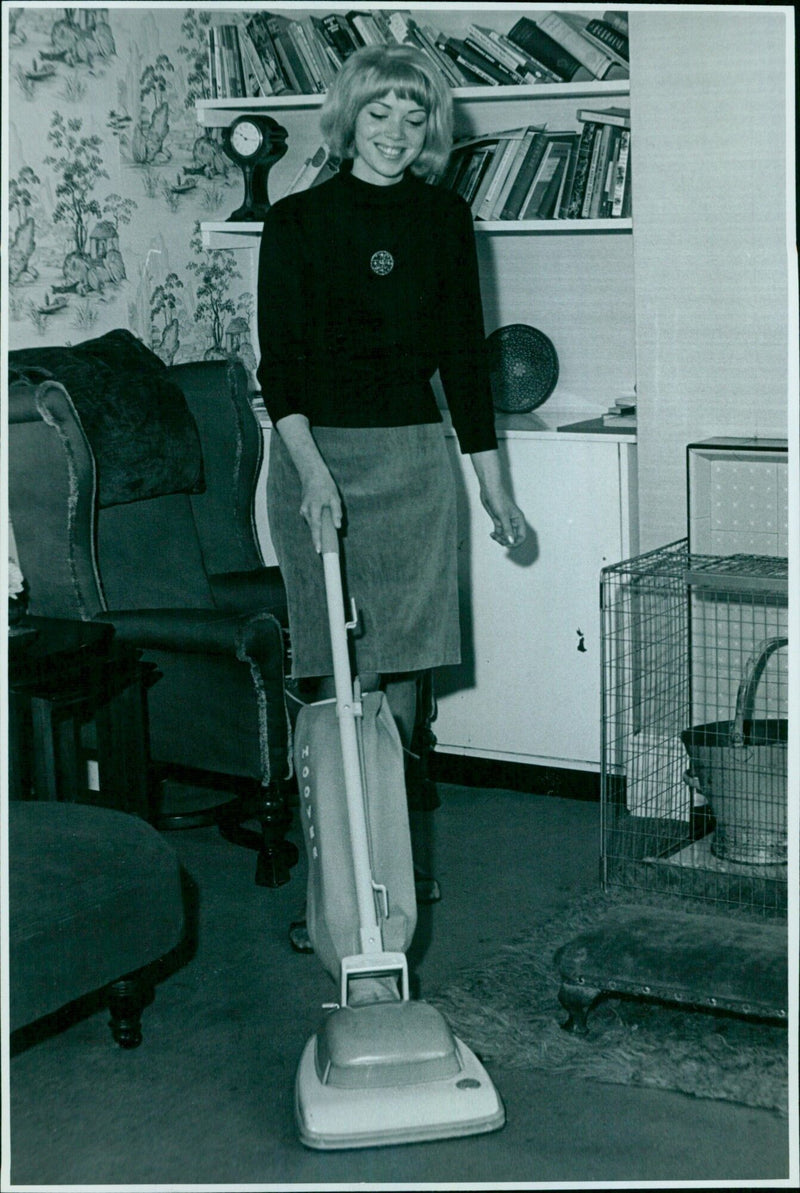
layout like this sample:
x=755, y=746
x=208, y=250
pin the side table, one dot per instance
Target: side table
x=70, y=683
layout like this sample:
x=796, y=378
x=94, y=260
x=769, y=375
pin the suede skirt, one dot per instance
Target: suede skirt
x=398, y=549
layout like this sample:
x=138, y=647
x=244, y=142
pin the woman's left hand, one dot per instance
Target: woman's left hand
x=508, y=519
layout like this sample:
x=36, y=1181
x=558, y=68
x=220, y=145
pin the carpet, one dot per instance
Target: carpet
x=508, y=1011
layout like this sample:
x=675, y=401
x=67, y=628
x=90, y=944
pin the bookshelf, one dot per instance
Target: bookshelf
x=292, y=52
x=226, y=234
x=217, y=113
x=477, y=109
x=573, y=279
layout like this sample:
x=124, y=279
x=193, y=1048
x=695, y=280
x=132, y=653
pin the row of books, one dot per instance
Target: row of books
x=535, y=173
x=271, y=54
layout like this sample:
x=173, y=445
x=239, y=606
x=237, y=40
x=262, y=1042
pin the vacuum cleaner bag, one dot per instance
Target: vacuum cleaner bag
x=332, y=908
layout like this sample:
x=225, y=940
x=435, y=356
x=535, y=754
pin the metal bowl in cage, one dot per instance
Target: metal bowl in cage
x=739, y=766
x=523, y=368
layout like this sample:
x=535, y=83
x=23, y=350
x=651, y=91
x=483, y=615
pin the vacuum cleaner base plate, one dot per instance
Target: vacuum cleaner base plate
x=330, y=1118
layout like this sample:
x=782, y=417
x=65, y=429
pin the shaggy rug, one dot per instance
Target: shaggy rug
x=508, y=1011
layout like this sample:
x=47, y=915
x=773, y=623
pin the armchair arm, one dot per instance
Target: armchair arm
x=243, y=592
x=200, y=631
x=223, y=678
x=51, y=501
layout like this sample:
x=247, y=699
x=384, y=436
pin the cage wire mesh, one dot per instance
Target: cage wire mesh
x=694, y=733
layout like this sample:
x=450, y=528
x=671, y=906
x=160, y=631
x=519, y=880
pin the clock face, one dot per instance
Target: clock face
x=246, y=138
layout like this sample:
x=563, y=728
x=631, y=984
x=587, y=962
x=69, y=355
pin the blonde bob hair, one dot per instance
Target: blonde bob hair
x=369, y=74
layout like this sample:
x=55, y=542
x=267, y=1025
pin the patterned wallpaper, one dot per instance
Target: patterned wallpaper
x=109, y=177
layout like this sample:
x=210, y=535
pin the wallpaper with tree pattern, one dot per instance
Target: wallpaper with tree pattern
x=109, y=177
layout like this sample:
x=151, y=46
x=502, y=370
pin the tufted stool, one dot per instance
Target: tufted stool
x=95, y=897
x=703, y=962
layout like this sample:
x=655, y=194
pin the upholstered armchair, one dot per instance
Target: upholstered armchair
x=131, y=495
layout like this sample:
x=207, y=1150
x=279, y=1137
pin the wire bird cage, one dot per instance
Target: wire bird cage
x=694, y=706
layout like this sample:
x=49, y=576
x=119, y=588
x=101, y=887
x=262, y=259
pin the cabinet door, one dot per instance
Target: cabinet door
x=528, y=687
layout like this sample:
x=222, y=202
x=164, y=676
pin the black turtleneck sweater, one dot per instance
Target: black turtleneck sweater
x=349, y=347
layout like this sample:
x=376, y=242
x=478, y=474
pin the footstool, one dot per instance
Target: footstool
x=95, y=898
x=706, y=962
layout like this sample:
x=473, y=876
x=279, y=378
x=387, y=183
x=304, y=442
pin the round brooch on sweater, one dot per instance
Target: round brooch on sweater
x=381, y=263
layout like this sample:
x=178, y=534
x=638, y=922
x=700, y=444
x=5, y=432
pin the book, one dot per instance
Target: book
x=462, y=153
x=259, y=35
x=534, y=70
x=319, y=51
x=533, y=146
x=585, y=147
x=561, y=205
x=601, y=197
x=621, y=174
x=485, y=48
x=286, y=55
x=619, y=420
x=504, y=54
x=593, y=171
x=536, y=42
x=213, y=64
x=590, y=56
x=326, y=46
x=486, y=180
x=473, y=62
x=505, y=155
x=622, y=413
x=611, y=182
x=565, y=149
x=617, y=19
x=425, y=39
x=454, y=75
x=364, y=25
x=460, y=156
x=609, y=39
x=508, y=178
x=340, y=34
x=541, y=196
x=619, y=116
x=470, y=182
x=230, y=81
x=459, y=163
x=381, y=18
x=313, y=80
x=254, y=64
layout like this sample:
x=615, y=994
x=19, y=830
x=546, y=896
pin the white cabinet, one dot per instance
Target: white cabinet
x=528, y=687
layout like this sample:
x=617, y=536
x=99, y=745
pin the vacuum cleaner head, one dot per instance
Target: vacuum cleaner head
x=388, y=1073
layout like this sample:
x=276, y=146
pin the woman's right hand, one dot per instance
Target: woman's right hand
x=319, y=492
x=318, y=488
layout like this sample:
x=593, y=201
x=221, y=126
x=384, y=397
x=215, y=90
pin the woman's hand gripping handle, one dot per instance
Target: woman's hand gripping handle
x=318, y=488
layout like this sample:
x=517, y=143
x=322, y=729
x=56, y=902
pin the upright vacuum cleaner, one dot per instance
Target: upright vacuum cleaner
x=387, y=1071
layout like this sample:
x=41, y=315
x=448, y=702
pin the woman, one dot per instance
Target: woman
x=368, y=284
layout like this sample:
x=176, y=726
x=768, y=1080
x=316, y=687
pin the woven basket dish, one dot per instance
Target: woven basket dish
x=523, y=368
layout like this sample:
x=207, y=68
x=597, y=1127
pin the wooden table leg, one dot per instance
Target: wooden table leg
x=122, y=750
x=57, y=758
x=19, y=753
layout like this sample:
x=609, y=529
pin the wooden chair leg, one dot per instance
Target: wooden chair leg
x=577, y=1001
x=127, y=998
x=270, y=807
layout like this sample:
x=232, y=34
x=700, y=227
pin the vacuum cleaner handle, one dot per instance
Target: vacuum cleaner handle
x=348, y=708
x=330, y=535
